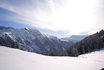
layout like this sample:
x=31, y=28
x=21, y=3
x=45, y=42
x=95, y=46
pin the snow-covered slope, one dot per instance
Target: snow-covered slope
x=14, y=59
x=31, y=40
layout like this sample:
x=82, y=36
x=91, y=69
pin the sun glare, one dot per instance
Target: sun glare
x=75, y=16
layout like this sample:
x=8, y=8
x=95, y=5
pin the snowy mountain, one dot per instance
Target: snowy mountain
x=88, y=44
x=14, y=59
x=31, y=40
x=74, y=38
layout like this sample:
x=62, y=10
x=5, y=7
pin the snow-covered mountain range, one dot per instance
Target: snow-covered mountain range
x=31, y=40
x=74, y=38
x=89, y=44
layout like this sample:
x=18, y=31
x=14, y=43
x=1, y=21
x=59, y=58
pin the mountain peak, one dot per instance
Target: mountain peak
x=26, y=28
x=102, y=31
x=31, y=40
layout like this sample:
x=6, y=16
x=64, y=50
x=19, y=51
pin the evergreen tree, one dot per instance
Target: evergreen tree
x=15, y=45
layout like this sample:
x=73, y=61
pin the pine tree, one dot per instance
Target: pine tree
x=15, y=45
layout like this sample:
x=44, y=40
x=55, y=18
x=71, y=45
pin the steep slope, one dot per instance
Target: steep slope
x=31, y=40
x=13, y=59
x=88, y=44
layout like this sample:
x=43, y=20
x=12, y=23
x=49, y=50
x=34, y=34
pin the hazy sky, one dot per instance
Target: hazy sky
x=56, y=17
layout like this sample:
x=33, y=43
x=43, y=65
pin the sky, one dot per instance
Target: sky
x=60, y=18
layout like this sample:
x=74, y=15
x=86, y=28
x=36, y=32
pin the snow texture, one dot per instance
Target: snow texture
x=14, y=59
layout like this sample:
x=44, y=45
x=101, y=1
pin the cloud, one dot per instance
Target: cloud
x=28, y=11
x=72, y=16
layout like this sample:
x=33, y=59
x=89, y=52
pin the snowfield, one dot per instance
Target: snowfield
x=14, y=59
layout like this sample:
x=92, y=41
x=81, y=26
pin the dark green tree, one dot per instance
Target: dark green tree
x=15, y=45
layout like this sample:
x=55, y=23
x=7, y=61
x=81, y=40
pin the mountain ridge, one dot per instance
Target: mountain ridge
x=35, y=41
x=88, y=44
x=74, y=38
x=31, y=40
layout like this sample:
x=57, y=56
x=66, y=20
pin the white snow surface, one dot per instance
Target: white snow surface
x=14, y=59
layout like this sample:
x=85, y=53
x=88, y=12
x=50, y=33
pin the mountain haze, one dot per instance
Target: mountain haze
x=88, y=44
x=74, y=38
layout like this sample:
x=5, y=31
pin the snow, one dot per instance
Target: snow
x=74, y=38
x=32, y=40
x=14, y=59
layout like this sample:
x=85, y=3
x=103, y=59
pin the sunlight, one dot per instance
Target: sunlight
x=69, y=16
x=75, y=16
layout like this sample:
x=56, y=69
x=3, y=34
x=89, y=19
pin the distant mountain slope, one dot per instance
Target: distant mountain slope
x=31, y=40
x=88, y=44
x=14, y=59
x=74, y=38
